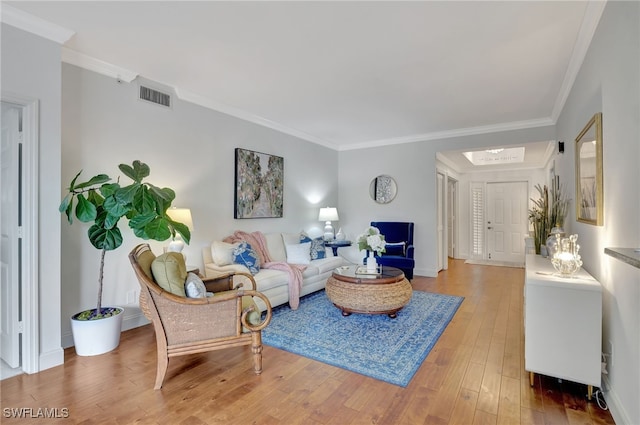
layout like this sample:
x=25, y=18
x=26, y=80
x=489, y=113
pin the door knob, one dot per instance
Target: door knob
x=489, y=227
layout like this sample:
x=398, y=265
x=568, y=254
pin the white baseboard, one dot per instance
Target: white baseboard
x=133, y=318
x=618, y=412
x=425, y=272
x=51, y=359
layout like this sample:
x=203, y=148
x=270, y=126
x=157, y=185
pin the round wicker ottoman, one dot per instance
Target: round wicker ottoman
x=383, y=293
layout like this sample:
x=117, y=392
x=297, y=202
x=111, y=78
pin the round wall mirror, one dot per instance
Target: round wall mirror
x=383, y=189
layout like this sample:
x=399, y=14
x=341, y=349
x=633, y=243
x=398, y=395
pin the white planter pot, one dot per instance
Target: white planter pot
x=93, y=337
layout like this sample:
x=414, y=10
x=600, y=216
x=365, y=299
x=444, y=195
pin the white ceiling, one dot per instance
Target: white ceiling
x=342, y=74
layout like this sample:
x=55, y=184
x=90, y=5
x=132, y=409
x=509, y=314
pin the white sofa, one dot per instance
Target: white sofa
x=274, y=284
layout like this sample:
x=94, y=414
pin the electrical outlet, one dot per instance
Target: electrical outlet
x=131, y=297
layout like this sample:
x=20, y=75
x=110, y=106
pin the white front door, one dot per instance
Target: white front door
x=506, y=221
x=9, y=248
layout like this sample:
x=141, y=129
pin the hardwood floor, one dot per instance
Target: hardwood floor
x=474, y=375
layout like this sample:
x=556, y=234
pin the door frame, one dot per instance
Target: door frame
x=452, y=211
x=29, y=230
x=441, y=221
x=442, y=208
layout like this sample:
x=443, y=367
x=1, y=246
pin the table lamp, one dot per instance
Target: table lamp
x=181, y=215
x=328, y=215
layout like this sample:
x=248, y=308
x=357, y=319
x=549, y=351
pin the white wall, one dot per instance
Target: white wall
x=413, y=166
x=31, y=68
x=189, y=149
x=609, y=82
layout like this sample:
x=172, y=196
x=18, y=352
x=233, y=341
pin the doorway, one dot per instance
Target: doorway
x=19, y=307
x=452, y=214
x=10, y=218
x=441, y=223
x=446, y=211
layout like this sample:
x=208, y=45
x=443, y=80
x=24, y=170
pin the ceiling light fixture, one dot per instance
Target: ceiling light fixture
x=496, y=156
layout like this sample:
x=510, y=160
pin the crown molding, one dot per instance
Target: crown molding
x=461, y=132
x=447, y=162
x=592, y=16
x=101, y=67
x=246, y=116
x=38, y=26
x=92, y=64
x=84, y=61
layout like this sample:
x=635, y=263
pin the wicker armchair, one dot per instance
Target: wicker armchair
x=194, y=325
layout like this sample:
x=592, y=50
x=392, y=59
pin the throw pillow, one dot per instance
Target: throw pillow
x=222, y=253
x=298, y=253
x=194, y=287
x=170, y=272
x=245, y=255
x=395, y=248
x=317, y=250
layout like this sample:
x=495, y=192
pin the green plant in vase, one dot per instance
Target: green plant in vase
x=539, y=217
x=558, y=207
x=549, y=211
x=103, y=203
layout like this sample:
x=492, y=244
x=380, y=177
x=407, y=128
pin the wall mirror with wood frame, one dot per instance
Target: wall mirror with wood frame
x=589, y=188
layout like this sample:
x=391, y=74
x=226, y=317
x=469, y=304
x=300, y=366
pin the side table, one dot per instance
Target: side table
x=335, y=244
x=193, y=269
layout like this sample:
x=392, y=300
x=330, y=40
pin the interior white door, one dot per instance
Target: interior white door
x=506, y=221
x=9, y=247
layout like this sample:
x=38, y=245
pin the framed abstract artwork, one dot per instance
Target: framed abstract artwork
x=259, y=185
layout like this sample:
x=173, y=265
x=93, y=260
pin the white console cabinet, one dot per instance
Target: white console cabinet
x=562, y=324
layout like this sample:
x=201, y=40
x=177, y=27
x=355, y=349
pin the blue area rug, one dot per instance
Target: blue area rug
x=390, y=350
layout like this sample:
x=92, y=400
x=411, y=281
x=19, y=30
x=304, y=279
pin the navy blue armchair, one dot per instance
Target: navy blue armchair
x=399, y=248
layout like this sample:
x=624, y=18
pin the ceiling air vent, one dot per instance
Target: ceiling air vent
x=155, y=96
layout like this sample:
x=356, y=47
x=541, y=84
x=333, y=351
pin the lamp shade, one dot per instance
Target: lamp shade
x=328, y=214
x=181, y=215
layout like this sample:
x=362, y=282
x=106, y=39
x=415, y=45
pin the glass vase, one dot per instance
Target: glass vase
x=372, y=263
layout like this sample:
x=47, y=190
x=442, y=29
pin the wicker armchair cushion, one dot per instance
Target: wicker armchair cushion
x=145, y=260
x=170, y=272
x=254, y=317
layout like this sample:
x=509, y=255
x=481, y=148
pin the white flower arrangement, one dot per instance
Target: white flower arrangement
x=372, y=240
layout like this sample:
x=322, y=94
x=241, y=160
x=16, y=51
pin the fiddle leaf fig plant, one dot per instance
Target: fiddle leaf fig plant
x=102, y=202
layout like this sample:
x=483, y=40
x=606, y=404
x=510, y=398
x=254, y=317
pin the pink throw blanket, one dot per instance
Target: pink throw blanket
x=259, y=243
